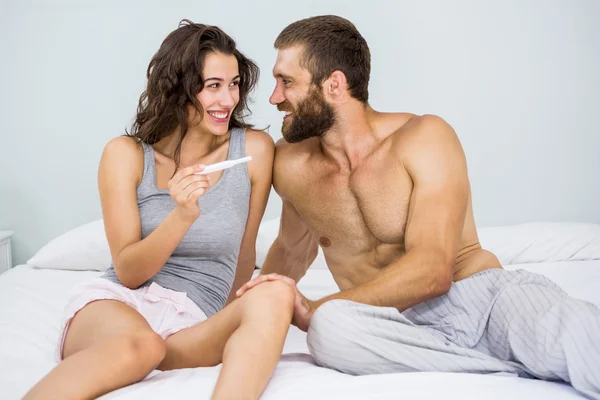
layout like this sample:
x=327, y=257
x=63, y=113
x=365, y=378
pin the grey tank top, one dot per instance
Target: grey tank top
x=203, y=264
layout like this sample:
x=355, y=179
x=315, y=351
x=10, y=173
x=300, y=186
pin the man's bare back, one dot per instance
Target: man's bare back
x=359, y=216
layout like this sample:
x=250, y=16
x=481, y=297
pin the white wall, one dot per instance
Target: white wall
x=519, y=81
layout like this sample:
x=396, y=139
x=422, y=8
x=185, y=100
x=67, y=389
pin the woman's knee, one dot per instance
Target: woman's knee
x=145, y=349
x=272, y=294
x=270, y=300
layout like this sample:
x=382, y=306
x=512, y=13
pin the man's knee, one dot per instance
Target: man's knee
x=332, y=334
x=359, y=339
x=332, y=314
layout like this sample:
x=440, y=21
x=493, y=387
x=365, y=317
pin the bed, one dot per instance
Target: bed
x=32, y=297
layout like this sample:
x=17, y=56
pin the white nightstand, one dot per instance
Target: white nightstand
x=5, y=253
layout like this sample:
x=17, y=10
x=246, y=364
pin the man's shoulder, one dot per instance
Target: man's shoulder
x=427, y=145
x=421, y=132
x=291, y=162
x=294, y=154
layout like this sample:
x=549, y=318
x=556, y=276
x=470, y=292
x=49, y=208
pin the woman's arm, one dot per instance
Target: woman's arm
x=260, y=146
x=120, y=172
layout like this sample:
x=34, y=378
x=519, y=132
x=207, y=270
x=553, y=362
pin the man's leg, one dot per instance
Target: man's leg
x=247, y=336
x=108, y=345
x=361, y=339
x=553, y=335
x=498, y=321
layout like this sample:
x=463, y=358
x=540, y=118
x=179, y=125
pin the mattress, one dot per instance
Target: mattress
x=31, y=302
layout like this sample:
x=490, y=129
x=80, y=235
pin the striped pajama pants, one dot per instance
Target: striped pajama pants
x=494, y=321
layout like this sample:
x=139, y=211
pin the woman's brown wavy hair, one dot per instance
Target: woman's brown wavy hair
x=175, y=78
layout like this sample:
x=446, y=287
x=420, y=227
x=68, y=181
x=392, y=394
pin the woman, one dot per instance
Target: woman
x=181, y=242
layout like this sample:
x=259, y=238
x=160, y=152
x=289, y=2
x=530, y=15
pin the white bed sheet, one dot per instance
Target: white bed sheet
x=31, y=301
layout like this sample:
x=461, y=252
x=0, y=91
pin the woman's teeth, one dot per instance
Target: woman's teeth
x=219, y=115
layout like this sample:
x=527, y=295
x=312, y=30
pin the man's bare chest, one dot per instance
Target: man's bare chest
x=356, y=212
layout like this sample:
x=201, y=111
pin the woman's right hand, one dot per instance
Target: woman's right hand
x=185, y=189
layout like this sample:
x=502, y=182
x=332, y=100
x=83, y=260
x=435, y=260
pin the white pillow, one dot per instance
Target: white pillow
x=86, y=247
x=535, y=242
x=267, y=233
x=81, y=249
x=538, y=242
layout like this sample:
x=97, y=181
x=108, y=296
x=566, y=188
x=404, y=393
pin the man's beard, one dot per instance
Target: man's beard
x=313, y=117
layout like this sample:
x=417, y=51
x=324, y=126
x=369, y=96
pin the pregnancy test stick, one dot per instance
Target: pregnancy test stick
x=223, y=165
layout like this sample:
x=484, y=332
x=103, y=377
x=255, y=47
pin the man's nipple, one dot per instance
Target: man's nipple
x=325, y=242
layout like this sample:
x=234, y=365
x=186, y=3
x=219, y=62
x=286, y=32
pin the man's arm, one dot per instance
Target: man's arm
x=294, y=249
x=436, y=163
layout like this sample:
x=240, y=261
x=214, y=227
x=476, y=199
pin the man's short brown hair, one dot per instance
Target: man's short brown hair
x=331, y=43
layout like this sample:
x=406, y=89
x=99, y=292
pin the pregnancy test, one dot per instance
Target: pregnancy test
x=223, y=165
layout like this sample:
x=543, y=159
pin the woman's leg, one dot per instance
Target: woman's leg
x=108, y=345
x=247, y=336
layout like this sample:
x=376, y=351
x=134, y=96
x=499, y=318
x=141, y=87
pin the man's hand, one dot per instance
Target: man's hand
x=303, y=308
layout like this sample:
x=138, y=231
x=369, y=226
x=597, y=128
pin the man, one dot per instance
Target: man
x=387, y=197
